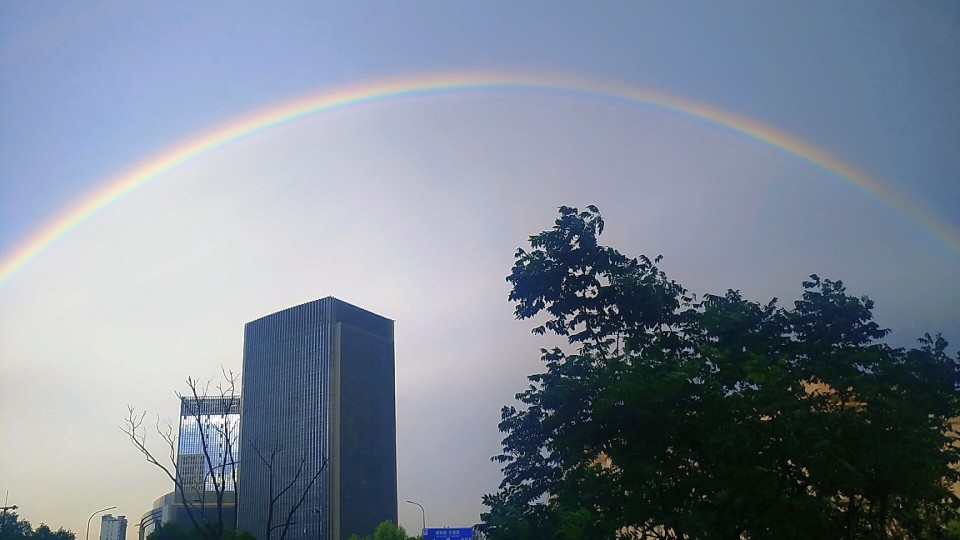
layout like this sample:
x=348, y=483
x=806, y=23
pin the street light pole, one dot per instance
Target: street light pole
x=423, y=514
x=6, y=499
x=87, y=536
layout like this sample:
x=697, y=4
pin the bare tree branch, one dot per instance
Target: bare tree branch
x=219, y=431
x=133, y=427
x=303, y=496
x=216, y=472
x=274, y=497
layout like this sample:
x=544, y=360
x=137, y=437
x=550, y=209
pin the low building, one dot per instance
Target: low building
x=153, y=519
x=171, y=509
x=113, y=528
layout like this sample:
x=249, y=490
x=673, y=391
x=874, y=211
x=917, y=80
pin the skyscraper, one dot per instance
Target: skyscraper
x=318, y=416
x=113, y=528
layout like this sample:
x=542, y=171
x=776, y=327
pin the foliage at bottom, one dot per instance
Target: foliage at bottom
x=14, y=528
x=387, y=530
x=172, y=531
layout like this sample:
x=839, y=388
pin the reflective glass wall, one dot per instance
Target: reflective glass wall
x=298, y=474
x=208, y=448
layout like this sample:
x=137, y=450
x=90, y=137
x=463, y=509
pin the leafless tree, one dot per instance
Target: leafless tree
x=224, y=432
x=269, y=460
x=218, y=464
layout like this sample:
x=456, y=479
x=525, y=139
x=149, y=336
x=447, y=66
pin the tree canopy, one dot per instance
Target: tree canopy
x=386, y=530
x=14, y=528
x=678, y=416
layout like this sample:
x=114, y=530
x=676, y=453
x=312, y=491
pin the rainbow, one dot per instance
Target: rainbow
x=118, y=186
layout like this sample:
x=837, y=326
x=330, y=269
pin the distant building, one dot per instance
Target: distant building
x=214, y=422
x=318, y=388
x=113, y=528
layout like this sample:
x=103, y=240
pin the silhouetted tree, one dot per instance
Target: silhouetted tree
x=678, y=417
x=14, y=528
x=43, y=532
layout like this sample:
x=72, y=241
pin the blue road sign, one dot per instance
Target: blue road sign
x=460, y=533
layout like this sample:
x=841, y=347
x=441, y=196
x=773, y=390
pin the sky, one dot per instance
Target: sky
x=412, y=205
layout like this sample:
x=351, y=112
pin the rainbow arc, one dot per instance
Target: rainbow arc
x=120, y=185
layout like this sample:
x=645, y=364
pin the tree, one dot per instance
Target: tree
x=43, y=532
x=14, y=528
x=171, y=531
x=715, y=417
x=214, y=409
x=386, y=530
x=218, y=468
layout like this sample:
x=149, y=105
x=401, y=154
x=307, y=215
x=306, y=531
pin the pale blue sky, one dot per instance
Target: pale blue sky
x=413, y=208
x=89, y=88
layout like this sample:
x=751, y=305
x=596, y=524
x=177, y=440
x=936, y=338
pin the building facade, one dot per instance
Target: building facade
x=160, y=513
x=208, y=455
x=214, y=423
x=319, y=416
x=113, y=528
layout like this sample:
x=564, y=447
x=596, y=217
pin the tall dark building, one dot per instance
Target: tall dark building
x=319, y=416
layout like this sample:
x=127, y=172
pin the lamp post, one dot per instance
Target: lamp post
x=87, y=536
x=423, y=514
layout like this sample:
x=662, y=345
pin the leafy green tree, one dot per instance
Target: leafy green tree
x=171, y=531
x=43, y=532
x=717, y=417
x=14, y=528
x=386, y=530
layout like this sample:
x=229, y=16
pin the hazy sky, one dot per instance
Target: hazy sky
x=413, y=207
